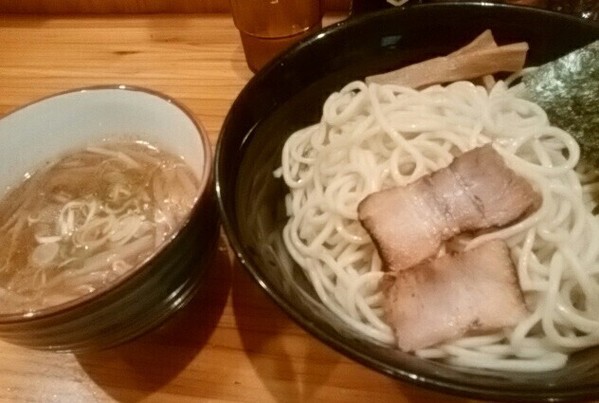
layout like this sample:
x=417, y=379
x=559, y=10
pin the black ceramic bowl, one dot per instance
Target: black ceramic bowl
x=288, y=94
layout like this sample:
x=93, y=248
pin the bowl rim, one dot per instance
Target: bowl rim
x=428, y=380
x=205, y=187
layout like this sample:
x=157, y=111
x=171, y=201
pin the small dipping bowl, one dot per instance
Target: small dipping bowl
x=146, y=295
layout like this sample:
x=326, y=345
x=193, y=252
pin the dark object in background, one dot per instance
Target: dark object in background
x=364, y=6
x=588, y=9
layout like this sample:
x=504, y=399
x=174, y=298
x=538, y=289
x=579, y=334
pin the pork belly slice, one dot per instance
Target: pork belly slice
x=500, y=195
x=444, y=299
x=408, y=224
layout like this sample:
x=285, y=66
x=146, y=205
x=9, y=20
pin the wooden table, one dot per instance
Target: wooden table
x=232, y=343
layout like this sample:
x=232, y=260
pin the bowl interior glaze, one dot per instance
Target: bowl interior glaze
x=45, y=130
x=288, y=94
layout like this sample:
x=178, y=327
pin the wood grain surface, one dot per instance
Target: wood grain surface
x=232, y=343
x=133, y=6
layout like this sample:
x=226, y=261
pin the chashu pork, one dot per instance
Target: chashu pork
x=446, y=298
x=408, y=224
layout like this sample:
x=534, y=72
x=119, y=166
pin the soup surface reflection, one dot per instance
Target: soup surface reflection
x=82, y=222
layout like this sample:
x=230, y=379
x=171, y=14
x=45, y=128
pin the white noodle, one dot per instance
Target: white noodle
x=377, y=136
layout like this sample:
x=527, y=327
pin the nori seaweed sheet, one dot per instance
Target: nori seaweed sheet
x=568, y=90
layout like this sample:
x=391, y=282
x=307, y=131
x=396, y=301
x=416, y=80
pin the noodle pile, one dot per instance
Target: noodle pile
x=375, y=136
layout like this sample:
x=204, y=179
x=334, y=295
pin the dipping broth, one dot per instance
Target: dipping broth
x=84, y=221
